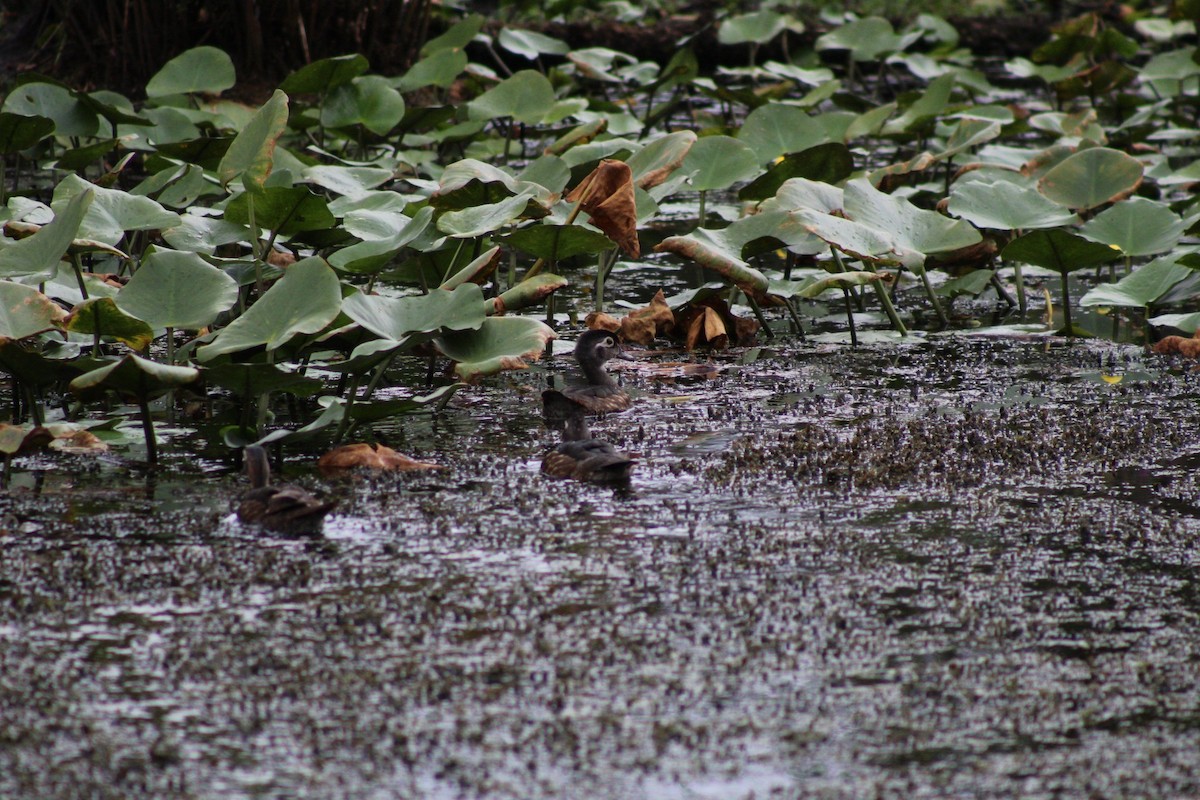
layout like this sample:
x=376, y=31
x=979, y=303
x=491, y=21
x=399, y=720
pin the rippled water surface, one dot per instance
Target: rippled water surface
x=953, y=567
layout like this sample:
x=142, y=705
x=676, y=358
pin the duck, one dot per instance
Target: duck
x=601, y=394
x=284, y=509
x=586, y=459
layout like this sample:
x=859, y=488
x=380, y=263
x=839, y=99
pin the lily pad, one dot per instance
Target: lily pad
x=1140, y=288
x=20, y=131
x=305, y=300
x=1004, y=205
x=286, y=209
x=112, y=212
x=717, y=162
x=500, y=343
x=1058, y=250
x=251, y=155
x=400, y=318
x=775, y=129
x=321, y=77
x=37, y=256
x=526, y=97
x=24, y=311
x=177, y=290
x=207, y=70
x=1091, y=178
x=369, y=101
x=101, y=316
x=1140, y=227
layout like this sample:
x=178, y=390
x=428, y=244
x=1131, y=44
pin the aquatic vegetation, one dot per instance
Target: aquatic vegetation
x=287, y=260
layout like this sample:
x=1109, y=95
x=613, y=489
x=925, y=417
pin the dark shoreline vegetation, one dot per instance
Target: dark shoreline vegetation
x=913, y=454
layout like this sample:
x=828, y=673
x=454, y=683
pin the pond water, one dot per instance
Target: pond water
x=955, y=567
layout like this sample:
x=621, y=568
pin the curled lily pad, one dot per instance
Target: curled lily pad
x=113, y=211
x=250, y=156
x=100, y=316
x=400, y=318
x=38, y=255
x=500, y=343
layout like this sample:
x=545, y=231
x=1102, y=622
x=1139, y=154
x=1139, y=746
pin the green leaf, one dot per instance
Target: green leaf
x=251, y=155
x=20, y=131
x=717, y=162
x=913, y=230
x=177, y=290
x=205, y=70
x=775, y=129
x=204, y=234
x=1140, y=227
x=500, y=343
x=458, y=37
x=24, y=311
x=113, y=212
x=324, y=75
x=100, y=315
x=1005, y=205
x=305, y=300
x=654, y=163
x=558, y=241
x=1058, y=250
x=134, y=376
x=1091, y=178
x=1140, y=288
x=369, y=101
x=827, y=163
x=529, y=292
x=36, y=99
x=841, y=280
x=286, y=209
x=373, y=255
x=526, y=97
x=867, y=39
x=37, y=256
x=253, y=380
x=350, y=182
x=439, y=69
x=759, y=27
x=476, y=221
x=931, y=103
x=531, y=44
x=401, y=318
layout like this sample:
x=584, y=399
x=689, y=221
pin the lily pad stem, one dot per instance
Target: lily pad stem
x=1067, y=305
x=937, y=306
x=603, y=267
x=148, y=429
x=758, y=314
x=850, y=317
x=255, y=244
x=77, y=265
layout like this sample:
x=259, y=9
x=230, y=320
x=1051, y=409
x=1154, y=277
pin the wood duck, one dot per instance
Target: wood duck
x=586, y=459
x=601, y=394
x=284, y=509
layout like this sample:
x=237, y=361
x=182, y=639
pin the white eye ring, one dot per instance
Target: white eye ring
x=609, y=342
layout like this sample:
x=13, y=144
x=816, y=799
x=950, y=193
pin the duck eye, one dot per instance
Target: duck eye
x=609, y=342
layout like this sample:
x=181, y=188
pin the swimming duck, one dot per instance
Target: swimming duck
x=601, y=394
x=284, y=509
x=584, y=458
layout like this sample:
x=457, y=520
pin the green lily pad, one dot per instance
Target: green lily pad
x=251, y=155
x=1140, y=288
x=558, y=241
x=255, y=380
x=479, y=220
x=177, y=290
x=758, y=27
x=37, y=256
x=526, y=97
x=801, y=193
x=826, y=163
x=717, y=162
x=1058, y=250
x=24, y=311
x=867, y=39
x=440, y=69
x=458, y=36
x=54, y=102
x=1004, y=205
x=500, y=343
x=913, y=230
x=399, y=318
x=20, y=131
x=775, y=129
x=286, y=209
x=347, y=181
x=100, y=316
x=305, y=300
x=206, y=70
x=369, y=101
x=1140, y=227
x=531, y=44
x=655, y=162
x=324, y=75
x=1091, y=178
x=199, y=234
x=113, y=211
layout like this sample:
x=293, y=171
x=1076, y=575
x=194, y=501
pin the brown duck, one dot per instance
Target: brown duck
x=601, y=394
x=283, y=509
x=586, y=459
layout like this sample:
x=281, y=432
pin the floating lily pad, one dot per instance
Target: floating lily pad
x=500, y=343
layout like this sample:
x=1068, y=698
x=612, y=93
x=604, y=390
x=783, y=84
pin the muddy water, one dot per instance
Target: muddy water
x=954, y=567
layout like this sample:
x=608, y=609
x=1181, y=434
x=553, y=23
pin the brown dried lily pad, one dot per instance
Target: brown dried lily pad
x=607, y=195
x=371, y=456
x=1189, y=348
x=79, y=442
x=710, y=321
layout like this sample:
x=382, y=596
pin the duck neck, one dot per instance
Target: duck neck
x=575, y=429
x=595, y=374
x=258, y=468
